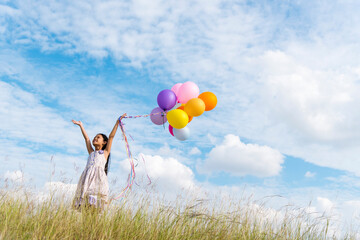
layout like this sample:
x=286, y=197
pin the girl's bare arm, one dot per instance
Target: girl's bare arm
x=111, y=137
x=86, y=137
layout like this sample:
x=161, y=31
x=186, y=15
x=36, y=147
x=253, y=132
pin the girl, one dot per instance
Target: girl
x=93, y=186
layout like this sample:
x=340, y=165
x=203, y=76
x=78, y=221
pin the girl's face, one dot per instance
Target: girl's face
x=98, y=141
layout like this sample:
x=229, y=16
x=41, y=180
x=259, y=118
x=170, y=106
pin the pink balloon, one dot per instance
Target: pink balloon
x=171, y=130
x=187, y=91
x=176, y=88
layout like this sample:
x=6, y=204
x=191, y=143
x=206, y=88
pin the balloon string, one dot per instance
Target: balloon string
x=131, y=176
x=146, y=115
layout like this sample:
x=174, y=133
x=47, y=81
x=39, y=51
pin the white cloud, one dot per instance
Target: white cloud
x=6, y=10
x=166, y=173
x=51, y=191
x=309, y=174
x=240, y=159
x=351, y=210
x=165, y=31
x=312, y=102
x=39, y=167
x=213, y=140
x=349, y=181
x=15, y=176
x=310, y=108
x=195, y=151
x=324, y=204
x=24, y=117
x=60, y=190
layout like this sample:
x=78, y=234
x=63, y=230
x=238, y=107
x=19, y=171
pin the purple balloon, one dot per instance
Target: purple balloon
x=166, y=99
x=158, y=116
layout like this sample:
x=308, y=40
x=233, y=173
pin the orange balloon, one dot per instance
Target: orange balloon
x=182, y=108
x=209, y=99
x=194, y=107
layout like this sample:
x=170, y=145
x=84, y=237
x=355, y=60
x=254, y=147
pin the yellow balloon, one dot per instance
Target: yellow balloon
x=195, y=107
x=177, y=118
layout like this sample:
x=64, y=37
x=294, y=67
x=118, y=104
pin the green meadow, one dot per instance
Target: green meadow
x=143, y=217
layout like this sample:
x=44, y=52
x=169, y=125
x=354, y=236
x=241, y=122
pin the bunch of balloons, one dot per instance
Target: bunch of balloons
x=179, y=105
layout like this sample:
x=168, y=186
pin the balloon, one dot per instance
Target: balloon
x=159, y=116
x=176, y=88
x=182, y=134
x=187, y=91
x=171, y=130
x=182, y=108
x=195, y=107
x=209, y=99
x=177, y=118
x=166, y=99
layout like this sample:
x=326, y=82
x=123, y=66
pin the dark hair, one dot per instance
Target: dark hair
x=107, y=165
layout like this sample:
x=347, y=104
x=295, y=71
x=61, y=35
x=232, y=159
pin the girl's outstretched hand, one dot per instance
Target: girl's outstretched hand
x=122, y=116
x=79, y=123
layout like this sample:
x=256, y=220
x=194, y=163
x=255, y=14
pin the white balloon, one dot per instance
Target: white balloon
x=182, y=134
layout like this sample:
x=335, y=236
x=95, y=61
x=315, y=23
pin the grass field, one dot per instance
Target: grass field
x=147, y=218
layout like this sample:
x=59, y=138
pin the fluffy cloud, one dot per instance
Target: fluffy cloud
x=351, y=210
x=242, y=159
x=315, y=103
x=164, y=31
x=310, y=108
x=166, y=174
x=15, y=176
x=61, y=191
x=324, y=204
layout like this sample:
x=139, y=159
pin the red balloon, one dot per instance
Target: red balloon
x=171, y=130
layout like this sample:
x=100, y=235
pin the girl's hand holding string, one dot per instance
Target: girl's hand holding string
x=122, y=116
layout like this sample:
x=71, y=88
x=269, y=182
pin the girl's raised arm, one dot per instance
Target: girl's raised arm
x=111, y=137
x=86, y=137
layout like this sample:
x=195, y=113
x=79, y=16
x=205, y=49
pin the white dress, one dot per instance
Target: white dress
x=93, y=185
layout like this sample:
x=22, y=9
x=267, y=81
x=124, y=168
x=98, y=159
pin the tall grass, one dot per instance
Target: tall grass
x=148, y=218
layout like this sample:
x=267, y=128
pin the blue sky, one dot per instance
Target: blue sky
x=286, y=75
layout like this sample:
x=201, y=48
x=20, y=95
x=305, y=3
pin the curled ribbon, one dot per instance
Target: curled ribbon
x=131, y=176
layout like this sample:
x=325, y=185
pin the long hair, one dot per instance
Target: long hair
x=107, y=165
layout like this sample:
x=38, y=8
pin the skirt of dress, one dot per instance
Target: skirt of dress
x=94, y=201
x=92, y=188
